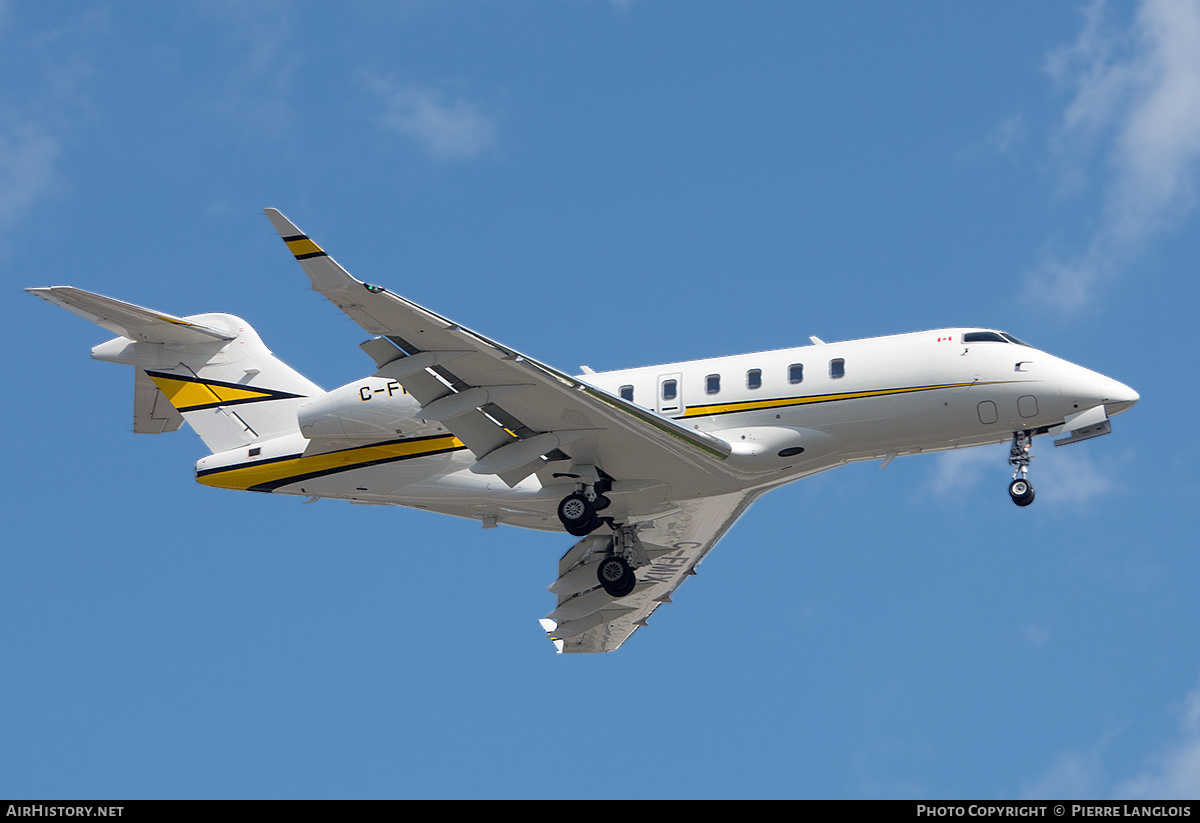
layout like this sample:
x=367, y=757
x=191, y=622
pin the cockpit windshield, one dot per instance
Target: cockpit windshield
x=991, y=337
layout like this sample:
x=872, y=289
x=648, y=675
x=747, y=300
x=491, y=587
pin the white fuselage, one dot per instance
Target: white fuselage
x=647, y=467
x=787, y=414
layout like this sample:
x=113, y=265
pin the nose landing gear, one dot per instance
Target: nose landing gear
x=1020, y=489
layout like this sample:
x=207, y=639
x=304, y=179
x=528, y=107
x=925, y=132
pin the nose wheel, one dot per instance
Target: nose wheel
x=1020, y=489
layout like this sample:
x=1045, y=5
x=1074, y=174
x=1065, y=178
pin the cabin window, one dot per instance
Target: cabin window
x=837, y=368
x=796, y=373
x=712, y=384
x=670, y=389
x=627, y=393
x=754, y=379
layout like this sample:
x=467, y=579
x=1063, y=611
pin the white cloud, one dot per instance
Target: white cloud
x=248, y=91
x=1136, y=97
x=1070, y=475
x=27, y=168
x=1007, y=134
x=957, y=471
x=1176, y=774
x=1059, y=475
x=1071, y=775
x=449, y=129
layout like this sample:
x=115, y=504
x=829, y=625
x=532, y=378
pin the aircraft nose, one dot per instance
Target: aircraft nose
x=1118, y=397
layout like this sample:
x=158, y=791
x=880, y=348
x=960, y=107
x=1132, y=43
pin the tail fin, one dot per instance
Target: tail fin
x=211, y=368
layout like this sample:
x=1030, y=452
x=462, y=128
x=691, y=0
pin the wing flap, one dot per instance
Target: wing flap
x=587, y=619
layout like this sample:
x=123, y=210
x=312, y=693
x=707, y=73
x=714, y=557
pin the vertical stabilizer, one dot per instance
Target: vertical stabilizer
x=210, y=370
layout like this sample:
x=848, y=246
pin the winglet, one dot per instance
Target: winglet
x=322, y=269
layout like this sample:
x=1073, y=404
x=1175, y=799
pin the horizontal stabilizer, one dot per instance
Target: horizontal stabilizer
x=129, y=320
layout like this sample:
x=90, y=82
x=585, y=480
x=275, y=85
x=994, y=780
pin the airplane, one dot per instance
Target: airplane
x=648, y=466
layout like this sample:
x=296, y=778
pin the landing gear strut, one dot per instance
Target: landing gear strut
x=1020, y=489
x=616, y=571
x=578, y=514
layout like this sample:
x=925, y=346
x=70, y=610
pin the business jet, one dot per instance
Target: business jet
x=648, y=467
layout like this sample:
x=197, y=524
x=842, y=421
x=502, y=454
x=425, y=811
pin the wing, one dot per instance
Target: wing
x=670, y=485
x=516, y=414
x=588, y=619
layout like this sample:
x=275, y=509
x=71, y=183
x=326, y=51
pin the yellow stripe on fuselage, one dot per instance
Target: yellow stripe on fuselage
x=757, y=405
x=272, y=474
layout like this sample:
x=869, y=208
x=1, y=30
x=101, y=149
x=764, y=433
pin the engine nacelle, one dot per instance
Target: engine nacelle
x=374, y=408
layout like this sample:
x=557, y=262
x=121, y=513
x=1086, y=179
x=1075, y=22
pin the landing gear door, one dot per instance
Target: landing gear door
x=669, y=399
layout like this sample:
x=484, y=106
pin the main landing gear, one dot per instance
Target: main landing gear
x=578, y=510
x=615, y=572
x=616, y=575
x=1020, y=489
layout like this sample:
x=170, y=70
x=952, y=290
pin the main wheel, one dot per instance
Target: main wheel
x=616, y=576
x=577, y=515
x=627, y=589
x=1021, y=491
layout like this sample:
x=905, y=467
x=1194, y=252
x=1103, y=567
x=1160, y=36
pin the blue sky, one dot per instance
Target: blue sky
x=616, y=184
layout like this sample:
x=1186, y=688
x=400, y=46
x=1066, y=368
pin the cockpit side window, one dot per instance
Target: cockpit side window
x=983, y=337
